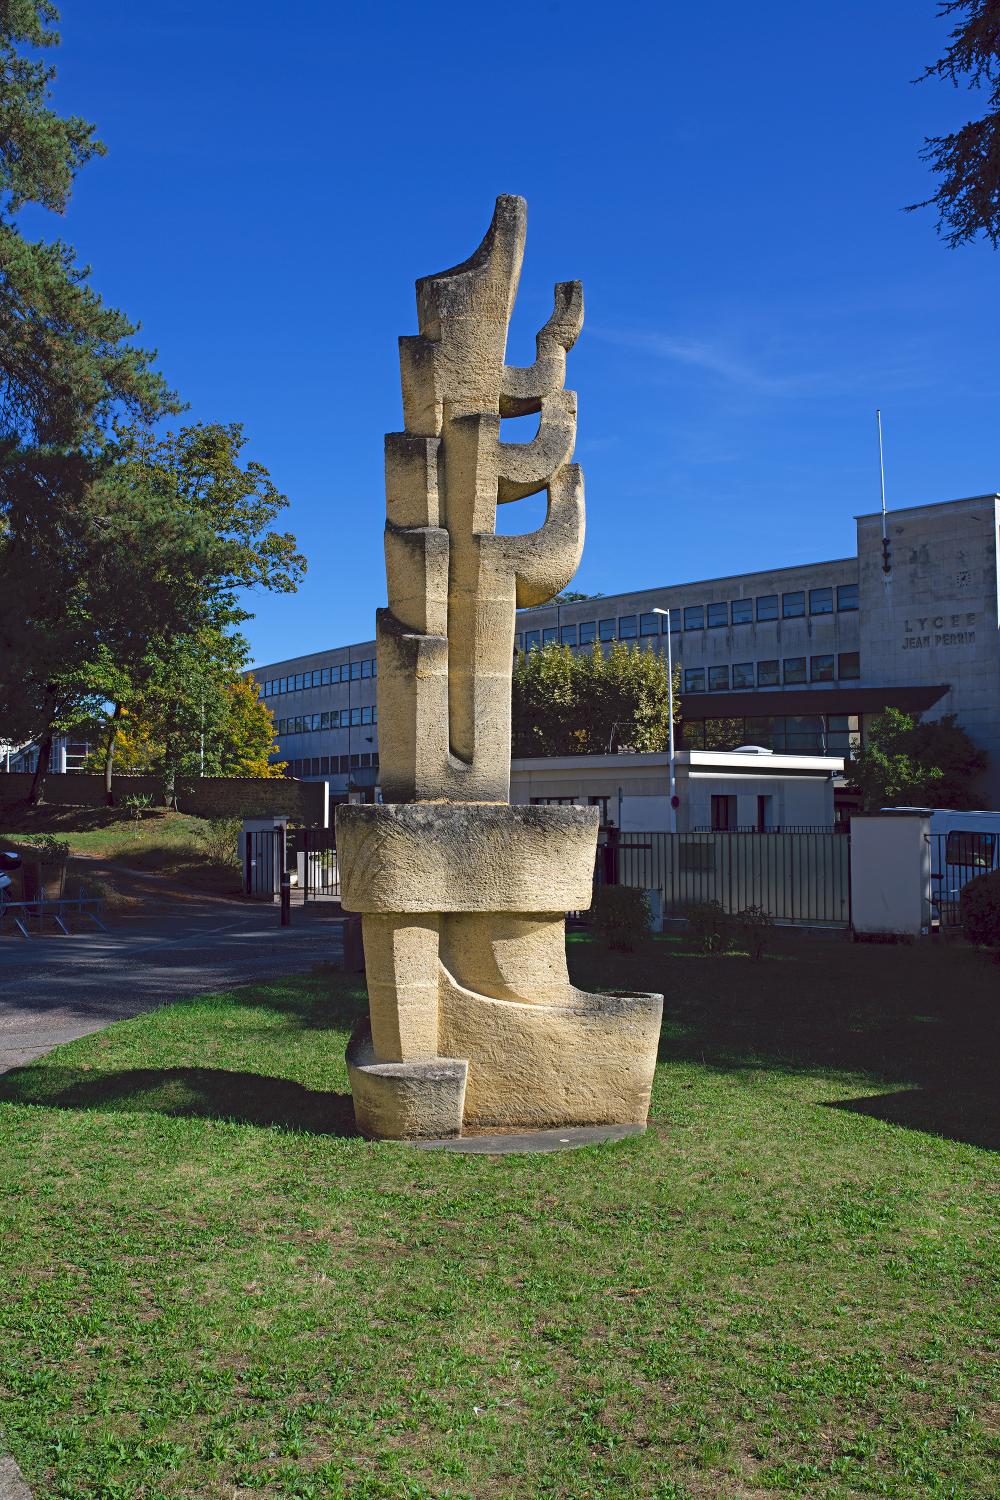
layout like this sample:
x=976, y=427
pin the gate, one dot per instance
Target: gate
x=796, y=877
x=263, y=862
x=956, y=858
x=313, y=857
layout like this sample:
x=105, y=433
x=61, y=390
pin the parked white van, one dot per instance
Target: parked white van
x=963, y=845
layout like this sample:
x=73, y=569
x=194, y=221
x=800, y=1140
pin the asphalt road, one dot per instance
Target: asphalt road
x=53, y=989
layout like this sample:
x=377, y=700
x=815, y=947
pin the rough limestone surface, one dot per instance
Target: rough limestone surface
x=473, y=1020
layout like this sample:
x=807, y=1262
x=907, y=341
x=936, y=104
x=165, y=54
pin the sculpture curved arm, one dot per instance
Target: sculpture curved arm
x=544, y=561
x=522, y=387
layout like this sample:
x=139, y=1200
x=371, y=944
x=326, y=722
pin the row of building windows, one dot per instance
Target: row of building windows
x=826, y=668
x=805, y=734
x=791, y=606
x=330, y=765
x=343, y=718
x=350, y=671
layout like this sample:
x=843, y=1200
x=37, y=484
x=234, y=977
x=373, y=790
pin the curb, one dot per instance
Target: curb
x=12, y=1485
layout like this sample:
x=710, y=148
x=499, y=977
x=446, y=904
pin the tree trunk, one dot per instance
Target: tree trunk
x=37, y=794
x=170, y=785
x=109, y=755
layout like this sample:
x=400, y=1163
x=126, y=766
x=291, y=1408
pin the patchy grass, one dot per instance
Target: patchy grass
x=211, y=1289
x=165, y=844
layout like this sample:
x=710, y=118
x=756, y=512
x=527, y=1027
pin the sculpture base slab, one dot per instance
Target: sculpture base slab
x=399, y=1101
x=520, y=1142
x=511, y=1066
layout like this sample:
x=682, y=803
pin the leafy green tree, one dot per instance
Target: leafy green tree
x=68, y=367
x=967, y=161
x=589, y=703
x=173, y=529
x=905, y=762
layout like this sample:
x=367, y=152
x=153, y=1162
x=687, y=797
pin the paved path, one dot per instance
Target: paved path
x=53, y=989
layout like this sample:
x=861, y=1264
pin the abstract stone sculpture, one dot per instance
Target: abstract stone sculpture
x=473, y=1019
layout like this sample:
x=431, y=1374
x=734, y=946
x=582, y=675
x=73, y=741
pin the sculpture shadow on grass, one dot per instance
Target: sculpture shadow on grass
x=921, y=1023
x=192, y=1093
x=972, y=1118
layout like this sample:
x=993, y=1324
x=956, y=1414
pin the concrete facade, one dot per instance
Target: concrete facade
x=795, y=659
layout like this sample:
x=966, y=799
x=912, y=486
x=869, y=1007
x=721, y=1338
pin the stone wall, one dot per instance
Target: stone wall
x=203, y=796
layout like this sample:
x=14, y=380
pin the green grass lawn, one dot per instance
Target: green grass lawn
x=209, y=1288
x=163, y=843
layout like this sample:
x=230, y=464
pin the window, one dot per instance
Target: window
x=324, y=721
x=849, y=666
x=366, y=668
x=355, y=671
x=532, y=640
x=767, y=607
x=548, y=635
x=649, y=624
x=743, y=674
x=821, y=668
x=627, y=628
x=588, y=632
x=366, y=759
x=821, y=601
x=374, y=666
x=975, y=851
x=355, y=762
x=567, y=635
x=718, y=614
x=606, y=630
x=793, y=605
x=718, y=679
x=694, y=617
x=768, y=674
x=374, y=713
x=324, y=677
x=795, y=669
x=742, y=611
x=281, y=726
x=366, y=715
x=345, y=764
x=723, y=813
x=345, y=717
x=694, y=680
x=602, y=803
x=847, y=596
x=315, y=721
x=355, y=716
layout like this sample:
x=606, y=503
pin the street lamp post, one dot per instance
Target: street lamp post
x=670, y=699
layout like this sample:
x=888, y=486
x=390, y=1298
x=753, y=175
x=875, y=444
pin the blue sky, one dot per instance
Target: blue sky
x=727, y=181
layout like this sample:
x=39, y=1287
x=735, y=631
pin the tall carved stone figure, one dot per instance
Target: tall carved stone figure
x=473, y=1018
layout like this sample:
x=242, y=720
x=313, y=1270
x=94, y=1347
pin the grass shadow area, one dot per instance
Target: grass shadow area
x=196, y=1093
x=240, y=1056
x=924, y=1016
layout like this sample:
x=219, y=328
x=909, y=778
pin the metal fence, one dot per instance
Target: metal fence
x=957, y=858
x=263, y=862
x=312, y=855
x=796, y=877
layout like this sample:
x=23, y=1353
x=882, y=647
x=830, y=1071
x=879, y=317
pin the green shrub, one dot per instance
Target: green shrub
x=755, y=927
x=48, y=847
x=980, y=910
x=619, y=916
x=709, y=926
x=137, y=803
x=221, y=837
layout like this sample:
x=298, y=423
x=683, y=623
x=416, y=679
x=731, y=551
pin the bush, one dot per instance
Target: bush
x=710, y=927
x=755, y=928
x=221, y=837
x=137, y=803
x=619, y=916
x=47, y=847
x=980, y=910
